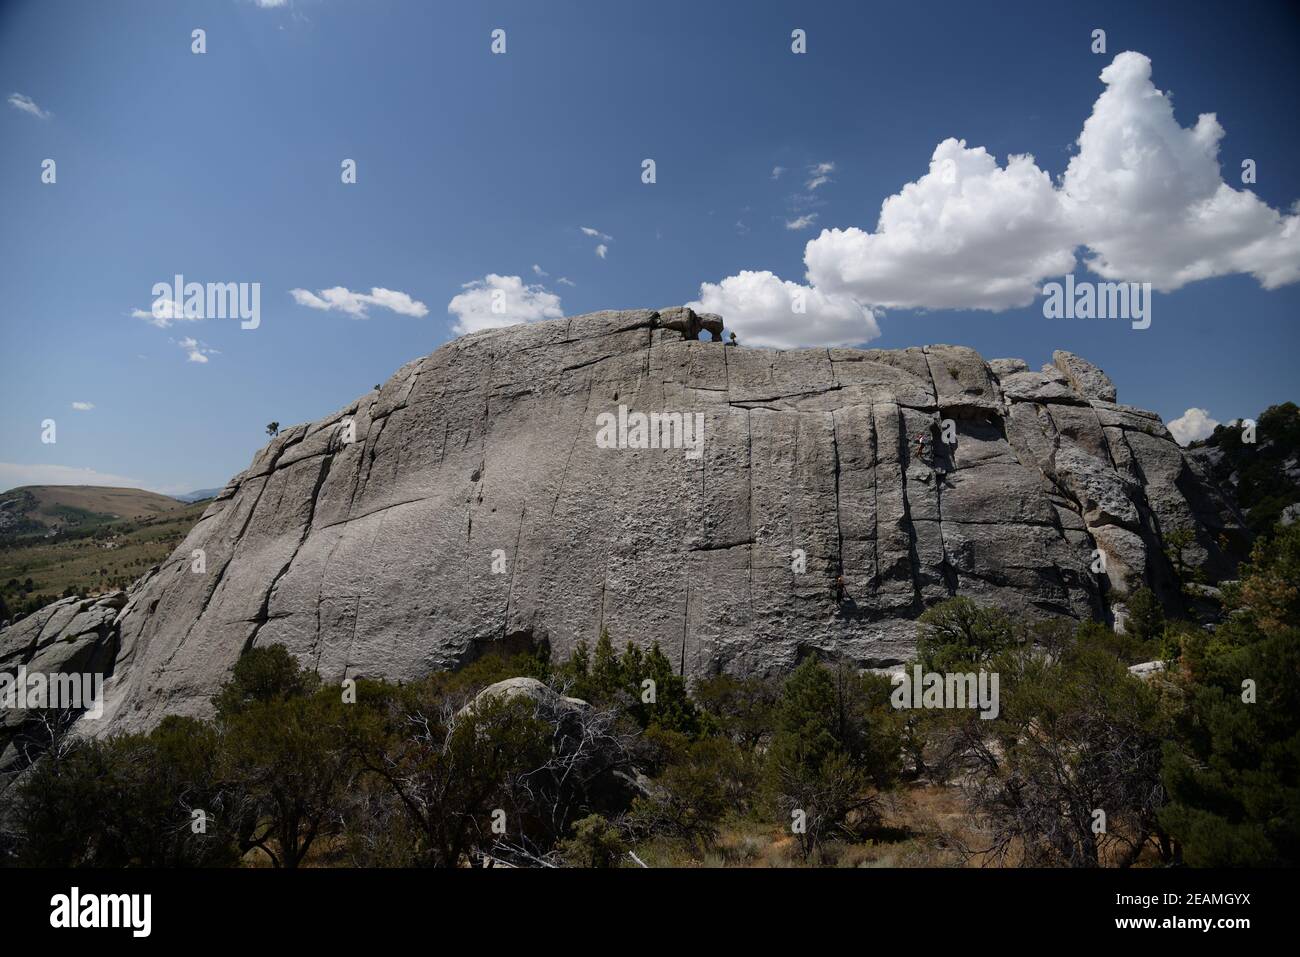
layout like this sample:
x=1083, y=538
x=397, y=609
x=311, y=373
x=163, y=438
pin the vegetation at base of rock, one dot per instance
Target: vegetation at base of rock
x=1075, y=735
x=1232, y=770
x=834, y=748
x=606, y=759
x=596, y=843
x=960, y=632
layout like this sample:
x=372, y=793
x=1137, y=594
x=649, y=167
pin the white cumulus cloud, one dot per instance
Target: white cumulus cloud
x=762, y=309
x=1149, y=200
x=495, y=301
x=358, y=304
x=969, y=234
x=1142, y=200
x=1192, y=426
x=1143, y=196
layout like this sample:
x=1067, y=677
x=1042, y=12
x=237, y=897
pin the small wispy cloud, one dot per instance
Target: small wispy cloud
x=801, y=222
x=25, y=103
x=195, y=350
x=357, y=304
x=602, y=248
x=83, y=406
x=777, y=171
x=819, y=175
x=539, y=271
x=565, y=281
x=163, y=313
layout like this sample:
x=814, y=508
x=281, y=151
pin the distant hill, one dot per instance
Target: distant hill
x=41, y=510
x=198, y=495
x=57, y=540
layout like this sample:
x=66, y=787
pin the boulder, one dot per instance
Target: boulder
x=1147, y=669
x=543, y=697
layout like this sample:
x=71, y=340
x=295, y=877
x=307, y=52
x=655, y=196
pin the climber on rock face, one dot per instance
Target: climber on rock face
x=923, y=446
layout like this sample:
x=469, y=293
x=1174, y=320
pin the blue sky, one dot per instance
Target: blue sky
x=226, y=167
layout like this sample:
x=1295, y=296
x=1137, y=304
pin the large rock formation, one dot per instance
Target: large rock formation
x=468, y=504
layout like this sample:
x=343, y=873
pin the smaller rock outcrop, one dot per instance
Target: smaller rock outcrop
x=73, y=636
x=1084, y=377
x=544, y=698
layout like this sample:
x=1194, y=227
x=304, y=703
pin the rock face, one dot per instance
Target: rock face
x=73, y=636
x=470, y=503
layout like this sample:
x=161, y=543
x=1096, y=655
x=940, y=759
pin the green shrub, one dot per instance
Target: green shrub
x=596, y=843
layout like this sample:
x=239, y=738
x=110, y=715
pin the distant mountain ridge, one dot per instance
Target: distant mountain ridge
x=198, y=495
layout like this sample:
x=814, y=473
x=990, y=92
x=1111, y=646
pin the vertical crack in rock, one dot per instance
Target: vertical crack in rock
x=839, y=527
x=514, y=570
x=367, y=455
x=577, y=436
x=356, y=617
x=913, y=554
x=604, y=582
x=210, y=590
x=946, y=568
x=749, y=509
x=686, y=620
x=875, y=500
x=263, y=614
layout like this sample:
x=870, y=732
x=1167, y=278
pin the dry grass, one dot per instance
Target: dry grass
x=923, y=825
x=82, y=564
